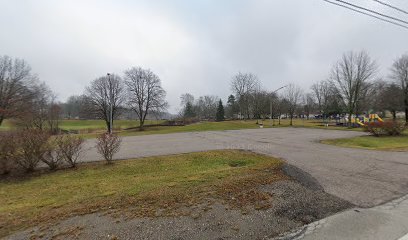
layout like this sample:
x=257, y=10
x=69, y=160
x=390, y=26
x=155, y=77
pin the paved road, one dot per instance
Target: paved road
x=387, y=221
x=365, y=178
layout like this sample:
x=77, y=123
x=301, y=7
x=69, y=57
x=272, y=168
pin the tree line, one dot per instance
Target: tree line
x=31, y=104
x=353, y=87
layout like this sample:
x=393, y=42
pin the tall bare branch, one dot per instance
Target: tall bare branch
x=15, y=75
x=351, y=78
x=145, y=93
x=103, y=93
x=399, y=72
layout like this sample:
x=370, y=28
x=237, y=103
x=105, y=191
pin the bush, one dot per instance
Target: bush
x=8, y=150
x=390, y=128
x=33, y=145
x=52, y=156
x=107, y=145
x=375, y=128
x=69, y=148
x=394, y=128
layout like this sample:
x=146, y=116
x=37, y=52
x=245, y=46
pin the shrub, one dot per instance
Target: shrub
x=375, y=128
x=69, y=148
x=8, y=150
x=391, y=128
x=107, y=145
x=394, y=128
x=52, y=156
x=33, y=145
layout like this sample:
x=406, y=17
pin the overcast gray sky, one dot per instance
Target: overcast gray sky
x=194, y=46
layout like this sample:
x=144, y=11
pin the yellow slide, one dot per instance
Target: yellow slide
x=375, y=117
x=359, y=122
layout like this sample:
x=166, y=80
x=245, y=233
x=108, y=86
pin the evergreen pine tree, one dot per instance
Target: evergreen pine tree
x=220, y=112
x=232, y=107
x=189, y=111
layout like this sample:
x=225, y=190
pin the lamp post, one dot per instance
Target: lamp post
x=272, y=118
x=110, y=104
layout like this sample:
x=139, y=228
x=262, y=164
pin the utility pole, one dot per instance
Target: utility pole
x=272, y=118
x=111, y=104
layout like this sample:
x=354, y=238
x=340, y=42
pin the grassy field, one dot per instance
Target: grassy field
x=99, y=124
x=6, y=125
x=90, y=128
x=387, y=143
x=232, y=125
x=140, y=186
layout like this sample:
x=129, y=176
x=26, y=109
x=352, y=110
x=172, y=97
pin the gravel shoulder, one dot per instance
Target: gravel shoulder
x=293, y=203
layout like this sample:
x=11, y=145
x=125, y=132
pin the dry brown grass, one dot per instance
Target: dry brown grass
x=147, y=187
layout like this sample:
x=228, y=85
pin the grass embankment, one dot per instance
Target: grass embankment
x=386, y=143
x=141, y=186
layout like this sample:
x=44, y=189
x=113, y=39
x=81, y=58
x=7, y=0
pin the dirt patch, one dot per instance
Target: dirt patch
x=268, y=209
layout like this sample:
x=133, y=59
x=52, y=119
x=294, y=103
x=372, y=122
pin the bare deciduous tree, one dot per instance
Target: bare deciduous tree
x=40, y=110
x=207, y=106
x=293, y=95
x=145, y=93
x=308, y=104
x=42, y=98
x=54, y=114
x=391, y=99
x=322, y=92
x=274, y=106
x=351, y=77
x=108, y=145
x=282, y=107
x=261, y=104
x=71, y=107
x=243, y=85
x=186, y=98
x=400, y=75
x=106, y=94
x=78, y=107
x=14, y=77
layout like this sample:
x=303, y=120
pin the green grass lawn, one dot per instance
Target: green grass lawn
x=90, y=128
x=231, y=125
x=399, y=143
x=100, y=124
x=140, y=186
x=197, y=127
x=6, y=125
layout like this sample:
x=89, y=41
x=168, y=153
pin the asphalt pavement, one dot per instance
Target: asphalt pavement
x=363, y=177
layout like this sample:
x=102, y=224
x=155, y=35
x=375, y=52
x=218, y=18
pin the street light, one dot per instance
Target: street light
x=272, y=118
x=111, y=104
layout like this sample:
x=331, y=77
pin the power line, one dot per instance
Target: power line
x=367, y=14
x=391, y=6
x=372, y=11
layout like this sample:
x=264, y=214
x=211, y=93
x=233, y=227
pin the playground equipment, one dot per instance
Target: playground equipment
x=363, y=120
